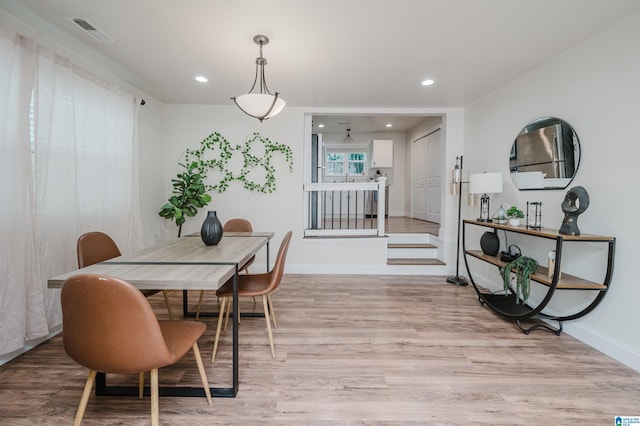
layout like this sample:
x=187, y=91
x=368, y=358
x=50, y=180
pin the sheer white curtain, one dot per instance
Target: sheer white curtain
x=22, y=312
x=83, y=148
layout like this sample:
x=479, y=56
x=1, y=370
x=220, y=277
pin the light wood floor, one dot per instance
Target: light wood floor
x=355, y=350
x=393, y=225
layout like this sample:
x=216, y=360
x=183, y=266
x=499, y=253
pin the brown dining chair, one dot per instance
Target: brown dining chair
x=108, y=326
x=96, y=247
x=232, y=225
x=253, y=285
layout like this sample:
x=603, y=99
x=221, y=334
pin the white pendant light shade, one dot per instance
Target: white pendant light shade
x=260, y=105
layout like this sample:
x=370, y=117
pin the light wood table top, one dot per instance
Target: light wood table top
x=180, y=264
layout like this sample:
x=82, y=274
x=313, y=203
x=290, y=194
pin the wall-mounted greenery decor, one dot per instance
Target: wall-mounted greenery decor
x=216, y=152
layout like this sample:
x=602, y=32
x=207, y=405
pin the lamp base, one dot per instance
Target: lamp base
x=457, y=280
x=483, y=220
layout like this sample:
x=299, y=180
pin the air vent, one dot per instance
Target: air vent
x=93, y=31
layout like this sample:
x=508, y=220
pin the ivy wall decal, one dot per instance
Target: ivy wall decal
x=215, y=155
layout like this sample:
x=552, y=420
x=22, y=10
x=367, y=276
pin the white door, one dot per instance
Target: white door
x=434, y=176
x=419, y=201
x=427, y=177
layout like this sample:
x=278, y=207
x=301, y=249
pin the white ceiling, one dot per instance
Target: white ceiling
x=325, y=53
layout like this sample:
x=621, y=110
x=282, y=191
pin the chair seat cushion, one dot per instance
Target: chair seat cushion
x=248, y=285
x=181, y=335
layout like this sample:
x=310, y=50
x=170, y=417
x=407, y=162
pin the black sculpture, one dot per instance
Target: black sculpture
x=575, y=203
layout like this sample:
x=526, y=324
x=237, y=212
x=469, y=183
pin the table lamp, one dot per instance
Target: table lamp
x=485, y=183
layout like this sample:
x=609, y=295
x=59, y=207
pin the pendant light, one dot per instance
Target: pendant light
x=348, y=139
x=261, y=104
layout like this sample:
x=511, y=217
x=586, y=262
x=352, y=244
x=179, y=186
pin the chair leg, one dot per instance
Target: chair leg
x=85, y=397
x=199, y=304
x=271, y=311
x=265, y=303
x=155, y=403
x=226, y=319
x=217, y=338
x=140, y=384
x=203, y=374
x=166, y=301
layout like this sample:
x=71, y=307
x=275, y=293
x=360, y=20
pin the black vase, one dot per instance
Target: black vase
x=211, y=231
x=490, y=243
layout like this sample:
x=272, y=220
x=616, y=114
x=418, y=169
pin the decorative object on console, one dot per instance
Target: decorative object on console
x=510, y=255
x=485, y=183
x=534, y=215
x=263, y=104
x=456, y=185
x=523, y=267
x=500, y=217
x=514, y=214
x=211, y=231
x=490, y=243
x=575, y=203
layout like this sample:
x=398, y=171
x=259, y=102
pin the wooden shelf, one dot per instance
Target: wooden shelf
x=543, y=232
x=566, y=281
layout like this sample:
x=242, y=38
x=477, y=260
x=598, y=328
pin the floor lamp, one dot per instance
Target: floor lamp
x=457, y=185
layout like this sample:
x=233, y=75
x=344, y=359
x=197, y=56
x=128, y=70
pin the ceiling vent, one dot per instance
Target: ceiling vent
x=96, y=33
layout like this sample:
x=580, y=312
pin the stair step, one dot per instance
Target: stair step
x=414, y=261
x=410, y=245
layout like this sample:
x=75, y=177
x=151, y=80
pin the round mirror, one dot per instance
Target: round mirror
x=545, y=155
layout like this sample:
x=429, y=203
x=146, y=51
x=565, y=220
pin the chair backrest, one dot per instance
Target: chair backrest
x=109, y=326
x=278, y=266
x=95, y=247
x=237, y=225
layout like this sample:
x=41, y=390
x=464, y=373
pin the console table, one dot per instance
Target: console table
x=506, y=304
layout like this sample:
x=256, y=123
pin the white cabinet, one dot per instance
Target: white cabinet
x=382, y=153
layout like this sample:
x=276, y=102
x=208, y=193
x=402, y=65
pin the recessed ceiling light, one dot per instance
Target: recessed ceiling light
x=389, y=125
x=321, y=125
x=201, y=79
x=428, y=82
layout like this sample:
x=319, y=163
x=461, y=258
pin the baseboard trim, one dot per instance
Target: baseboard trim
x=30, y=345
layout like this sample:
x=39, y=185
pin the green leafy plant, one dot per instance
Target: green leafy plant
x=515, y=213
x=216, y=151
x=189, y=194
x=523, y=267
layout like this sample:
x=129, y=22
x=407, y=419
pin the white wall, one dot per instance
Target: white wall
x=186, y=125
x=594, y=86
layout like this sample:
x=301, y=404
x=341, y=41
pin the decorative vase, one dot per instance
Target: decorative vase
x=211, y=231
x=490, y=243
x=514, y=221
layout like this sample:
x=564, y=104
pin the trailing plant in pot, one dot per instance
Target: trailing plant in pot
x=514, y=214
x=189, y=194
x=523, y=267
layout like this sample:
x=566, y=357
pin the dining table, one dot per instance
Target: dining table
x=181, y=264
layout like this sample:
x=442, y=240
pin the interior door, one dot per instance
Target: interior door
x=434, y=176
x=427, y=177
x=419, y=201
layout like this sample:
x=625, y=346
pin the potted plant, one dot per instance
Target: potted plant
x=523, y=267
x=514, y=214
x=189, y=194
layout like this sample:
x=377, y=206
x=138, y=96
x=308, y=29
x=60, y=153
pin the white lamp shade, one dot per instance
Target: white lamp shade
x=485, y=183
x=257, y=104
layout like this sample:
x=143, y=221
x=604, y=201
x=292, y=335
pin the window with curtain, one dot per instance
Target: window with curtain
x=346, y=162
x=72, y=156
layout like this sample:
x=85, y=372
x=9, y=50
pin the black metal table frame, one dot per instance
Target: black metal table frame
x=101, y=387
